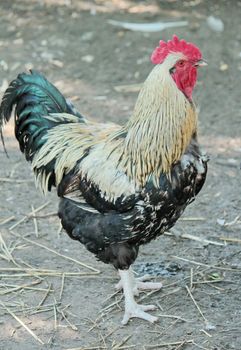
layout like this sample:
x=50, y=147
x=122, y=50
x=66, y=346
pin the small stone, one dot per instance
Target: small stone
x=223, y=67
x=142, y=60
x=75, y=15
x=11, y=28
x=87, y=36
x=210, y=327
x=57, y=63
x=47, y=55
x=216, y=24
x=88, y=58
x=221, y=222
x=4, y=65
x=28, y=66
x=121, y=33
x=18, y=41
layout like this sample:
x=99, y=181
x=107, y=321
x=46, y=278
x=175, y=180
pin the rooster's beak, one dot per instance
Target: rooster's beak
x=201, y=63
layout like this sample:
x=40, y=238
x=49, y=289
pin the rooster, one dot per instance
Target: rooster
x=119, y=186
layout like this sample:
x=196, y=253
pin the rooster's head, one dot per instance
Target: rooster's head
x=182, y=60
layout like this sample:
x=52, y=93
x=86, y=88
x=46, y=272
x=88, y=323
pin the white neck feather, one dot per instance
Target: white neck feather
x=161, y=126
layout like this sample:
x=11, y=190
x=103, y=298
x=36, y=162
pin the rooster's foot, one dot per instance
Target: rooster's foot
x=129, y=286
x=139, y=311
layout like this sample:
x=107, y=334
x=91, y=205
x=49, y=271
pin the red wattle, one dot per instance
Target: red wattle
x=186, y=80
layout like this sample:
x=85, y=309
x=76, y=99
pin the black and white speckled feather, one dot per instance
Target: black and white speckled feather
x=114, y=231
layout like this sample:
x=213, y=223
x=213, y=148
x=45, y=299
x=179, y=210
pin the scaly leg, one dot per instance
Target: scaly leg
x=132, y=309
x=139, y=283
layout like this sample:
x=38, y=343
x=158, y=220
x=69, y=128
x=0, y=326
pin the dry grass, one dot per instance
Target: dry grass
x=18, y=278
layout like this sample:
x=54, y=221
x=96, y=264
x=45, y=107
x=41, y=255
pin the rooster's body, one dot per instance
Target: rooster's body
x=120, y=186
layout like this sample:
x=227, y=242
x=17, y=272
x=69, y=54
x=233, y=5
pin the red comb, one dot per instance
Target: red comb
x=175, y=45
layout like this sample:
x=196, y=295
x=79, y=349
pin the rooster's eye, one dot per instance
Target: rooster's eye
x=181, y=63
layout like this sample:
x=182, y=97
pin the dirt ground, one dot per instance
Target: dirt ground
x=53, y=293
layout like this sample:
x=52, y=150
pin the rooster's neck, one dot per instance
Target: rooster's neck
x=160, y=128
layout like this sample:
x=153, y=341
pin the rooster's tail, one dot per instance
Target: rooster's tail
x=35, y=99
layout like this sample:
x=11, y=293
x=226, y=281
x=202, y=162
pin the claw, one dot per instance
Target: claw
x=130, y=287
x=139, y=312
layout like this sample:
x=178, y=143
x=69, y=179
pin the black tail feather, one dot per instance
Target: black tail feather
x=34, y=98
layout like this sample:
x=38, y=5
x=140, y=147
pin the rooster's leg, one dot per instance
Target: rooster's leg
x=132, y=309
x=139, y=283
